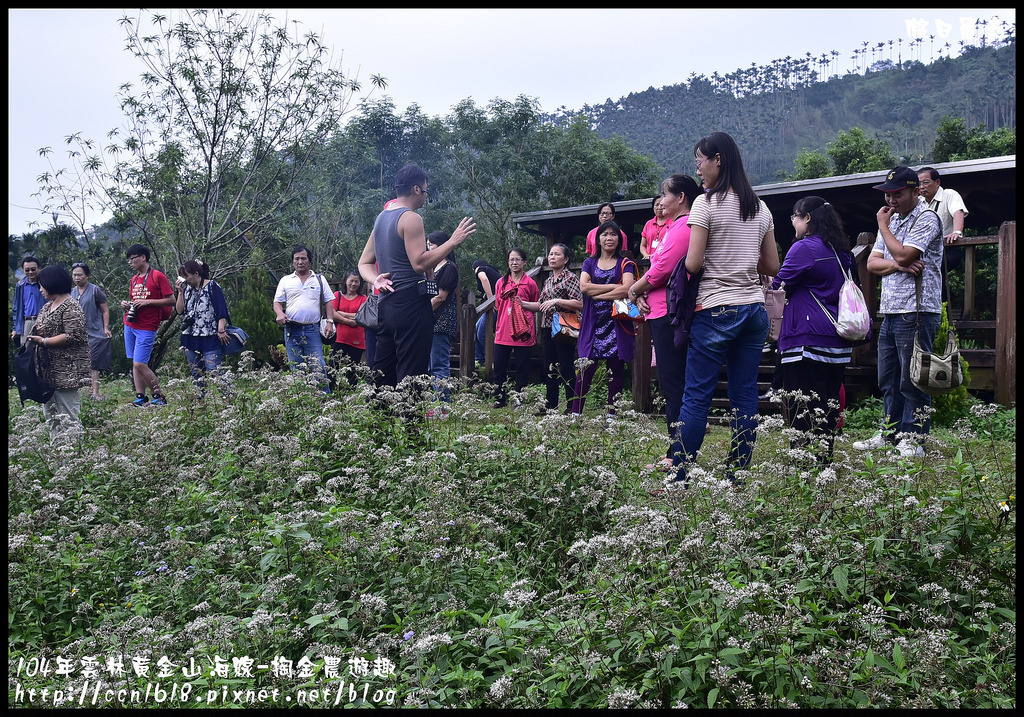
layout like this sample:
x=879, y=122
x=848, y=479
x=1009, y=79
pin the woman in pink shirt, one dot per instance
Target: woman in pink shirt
x=605, y=213
x=655, y=229
x=650, y=292
x=514, y=325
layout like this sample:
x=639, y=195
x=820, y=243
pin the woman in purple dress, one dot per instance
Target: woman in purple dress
x=604, y=278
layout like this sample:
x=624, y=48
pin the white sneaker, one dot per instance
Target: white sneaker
x=876, y=441
x=909, y=449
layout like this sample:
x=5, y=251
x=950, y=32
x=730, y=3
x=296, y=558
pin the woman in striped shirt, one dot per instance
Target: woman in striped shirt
x=732, y=237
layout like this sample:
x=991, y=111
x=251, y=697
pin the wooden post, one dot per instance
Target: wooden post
x=642, y=369
x=969, y=284
x=467, y=340
x=1006, y=316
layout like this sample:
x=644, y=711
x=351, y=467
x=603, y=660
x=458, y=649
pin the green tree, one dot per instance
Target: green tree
x=950, y=139
x=507, y=158
x=955, y=142
x=997, y=143
x=853, y=151
x=220, y=137
x=811, y=164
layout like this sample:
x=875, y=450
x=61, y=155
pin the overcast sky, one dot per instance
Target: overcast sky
x=65, y=66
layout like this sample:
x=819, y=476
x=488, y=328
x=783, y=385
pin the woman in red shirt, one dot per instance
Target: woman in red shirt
x=350, y=340
x=514, y=327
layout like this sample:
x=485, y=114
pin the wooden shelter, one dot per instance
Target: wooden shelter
x=988, y=187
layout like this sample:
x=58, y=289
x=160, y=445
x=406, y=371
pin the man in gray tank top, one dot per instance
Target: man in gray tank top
x=396, y=261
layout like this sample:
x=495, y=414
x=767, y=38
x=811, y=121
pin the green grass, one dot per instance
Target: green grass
x=504, y=559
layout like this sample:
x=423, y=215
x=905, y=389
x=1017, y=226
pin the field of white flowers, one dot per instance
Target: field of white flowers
x=298, y=548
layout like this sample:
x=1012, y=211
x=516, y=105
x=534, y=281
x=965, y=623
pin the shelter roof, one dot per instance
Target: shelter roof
x=987, y=185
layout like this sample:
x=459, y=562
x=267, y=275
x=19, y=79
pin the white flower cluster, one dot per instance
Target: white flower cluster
x=622, y=698
x=501, y=689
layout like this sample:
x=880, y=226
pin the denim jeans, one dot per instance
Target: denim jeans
x=481, y=338
x=441, y=365
x=734, y=336
x=902, y=402
x=203, y=364
x=304, y=345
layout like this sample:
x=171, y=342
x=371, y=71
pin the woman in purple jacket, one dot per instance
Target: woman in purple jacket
x=813, y=355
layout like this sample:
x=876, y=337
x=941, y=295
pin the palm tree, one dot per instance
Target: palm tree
x=932, y=38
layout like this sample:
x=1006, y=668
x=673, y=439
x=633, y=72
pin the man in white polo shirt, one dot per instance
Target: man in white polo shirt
x=301, y=298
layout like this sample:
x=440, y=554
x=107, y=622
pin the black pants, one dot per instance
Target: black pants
x=502, y=357
x=559, y=368
x=671, y=371
x=404, y=337
x=824, y=380
x=343, y=357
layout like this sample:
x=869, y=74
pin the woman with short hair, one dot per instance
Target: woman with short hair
x=204, y=321
x=60, y=329
x=603, y=279
x=514, y=325
x=561, y=292
x=350, y=337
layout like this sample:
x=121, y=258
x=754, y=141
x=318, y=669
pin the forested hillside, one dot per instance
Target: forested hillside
x=777, y=110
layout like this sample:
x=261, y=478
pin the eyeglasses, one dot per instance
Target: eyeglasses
x=698, y=163
x=133, y=258
x=794, y=216
x=78, y=265
x=423, y=190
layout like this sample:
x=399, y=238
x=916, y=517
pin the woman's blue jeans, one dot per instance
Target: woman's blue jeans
x=441, y=365
x=481, y=338
x=206, y=364
x=734, y=336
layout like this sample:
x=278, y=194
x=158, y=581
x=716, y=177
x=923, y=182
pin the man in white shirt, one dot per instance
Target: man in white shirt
x=947, y=203
x=301, y=299
x=952, y=211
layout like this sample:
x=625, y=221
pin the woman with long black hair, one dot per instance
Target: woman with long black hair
x=732, y=236
x=813, y=356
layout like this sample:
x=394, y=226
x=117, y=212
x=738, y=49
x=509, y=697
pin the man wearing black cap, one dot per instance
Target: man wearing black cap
x=908, y=249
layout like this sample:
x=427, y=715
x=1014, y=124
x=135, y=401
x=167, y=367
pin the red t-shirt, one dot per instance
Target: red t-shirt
x=351, y=335
x=152, y=285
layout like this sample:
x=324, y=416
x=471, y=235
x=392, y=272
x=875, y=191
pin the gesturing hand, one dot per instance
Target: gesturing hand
x=466, y=227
